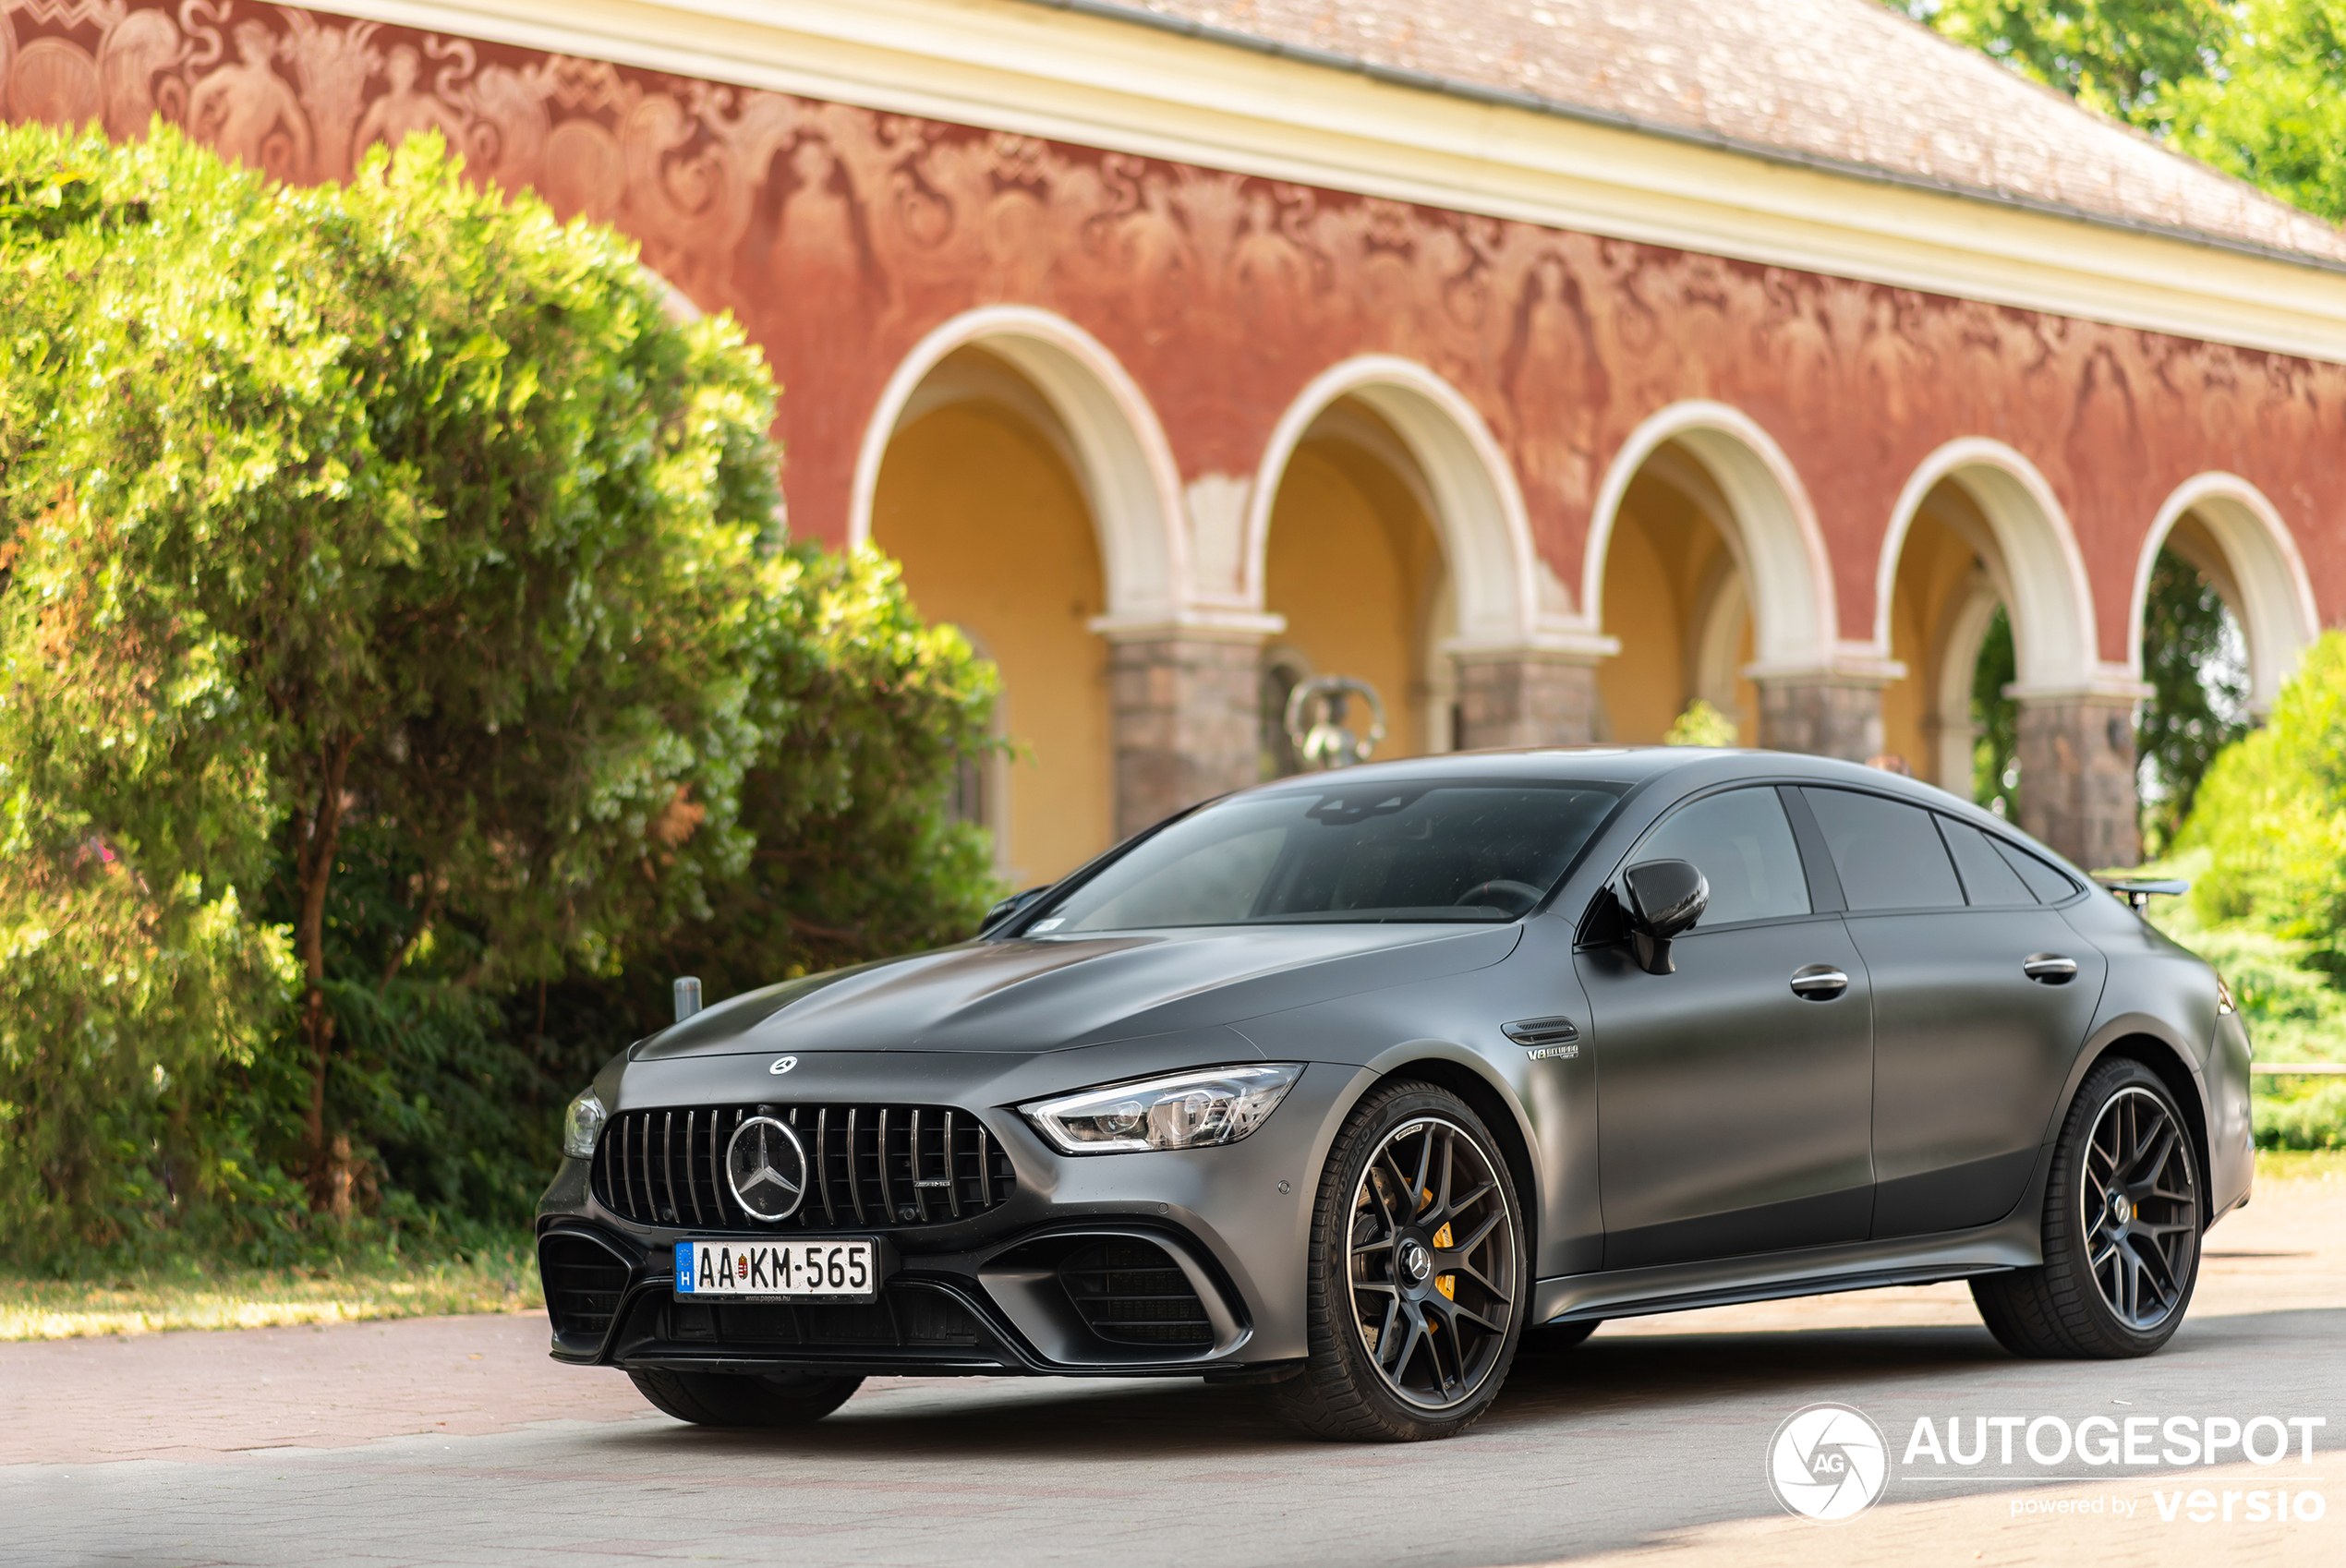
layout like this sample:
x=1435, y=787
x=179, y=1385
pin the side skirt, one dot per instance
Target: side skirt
x=2011, y=1243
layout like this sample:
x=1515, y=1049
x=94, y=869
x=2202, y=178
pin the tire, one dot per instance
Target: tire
x=2121, y=1256
x=725, y=1399
x=1375, y=1273
x=1553, y=1338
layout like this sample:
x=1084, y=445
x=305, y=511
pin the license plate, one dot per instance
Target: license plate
x=778, y=1270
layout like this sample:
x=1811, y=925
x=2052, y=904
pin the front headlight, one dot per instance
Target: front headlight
x=1189, y=1110
x=582, y=1124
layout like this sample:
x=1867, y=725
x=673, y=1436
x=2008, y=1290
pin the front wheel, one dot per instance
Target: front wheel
x=725, y=1399
x=2122, y=1221
x=1417, y=1285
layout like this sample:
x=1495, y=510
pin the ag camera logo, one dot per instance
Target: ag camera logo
x=1827, y=1462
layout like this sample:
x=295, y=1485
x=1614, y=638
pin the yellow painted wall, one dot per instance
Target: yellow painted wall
x=995, y=537
x=1352, y=564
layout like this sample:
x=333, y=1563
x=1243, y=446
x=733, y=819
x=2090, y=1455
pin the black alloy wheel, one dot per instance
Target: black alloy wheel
x=2122, y=1221
x=726, y=1399
x=1418, y=1280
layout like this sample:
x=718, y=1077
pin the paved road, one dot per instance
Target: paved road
x=453, y=1441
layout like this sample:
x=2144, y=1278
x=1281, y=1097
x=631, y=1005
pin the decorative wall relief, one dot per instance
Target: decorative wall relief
x=840, y=235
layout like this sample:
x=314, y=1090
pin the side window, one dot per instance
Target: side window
x=1742, y=844
x=1986, y=877
x=2048, y=885
x=1888, y=853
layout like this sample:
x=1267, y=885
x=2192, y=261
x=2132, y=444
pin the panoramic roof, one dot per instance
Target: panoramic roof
x=1841, y=82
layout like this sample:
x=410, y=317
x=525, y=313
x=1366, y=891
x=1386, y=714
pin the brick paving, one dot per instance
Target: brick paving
x=455, y=1441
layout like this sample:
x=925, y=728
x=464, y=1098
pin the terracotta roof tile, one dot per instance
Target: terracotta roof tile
x=1845, y=81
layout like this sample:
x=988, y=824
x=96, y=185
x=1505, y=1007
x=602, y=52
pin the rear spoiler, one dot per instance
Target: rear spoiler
x=2137, y=891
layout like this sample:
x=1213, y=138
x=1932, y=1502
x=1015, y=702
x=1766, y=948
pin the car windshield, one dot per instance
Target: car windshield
x=1387, y=850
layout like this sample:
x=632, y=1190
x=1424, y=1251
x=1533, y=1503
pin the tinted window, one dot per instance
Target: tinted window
x=1382, y=852
x=1889, y=854
x=2043, y=880
x=1987, y=880
x=1742, y=844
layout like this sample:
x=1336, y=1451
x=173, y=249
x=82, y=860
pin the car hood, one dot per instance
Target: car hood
x=1059, y=994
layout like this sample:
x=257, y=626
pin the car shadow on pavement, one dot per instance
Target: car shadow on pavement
x=1668, y=1377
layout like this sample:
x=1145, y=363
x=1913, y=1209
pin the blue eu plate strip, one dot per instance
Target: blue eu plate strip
x=684, y=1267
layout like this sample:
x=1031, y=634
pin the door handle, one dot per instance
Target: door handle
x=2049, y=969
x=1819, y=983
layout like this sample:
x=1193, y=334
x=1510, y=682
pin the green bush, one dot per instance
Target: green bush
x=398, y=677
x=2271, y=813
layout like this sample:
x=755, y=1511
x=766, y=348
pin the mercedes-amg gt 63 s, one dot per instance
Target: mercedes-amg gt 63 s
x=1346, y=1085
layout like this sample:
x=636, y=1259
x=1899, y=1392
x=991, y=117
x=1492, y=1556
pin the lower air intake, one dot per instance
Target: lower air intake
x=1131, y=1292
x=583, y=1282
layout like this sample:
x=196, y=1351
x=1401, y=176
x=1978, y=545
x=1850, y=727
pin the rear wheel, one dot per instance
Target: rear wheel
x=1418, y=1283
x=724, y=1399
x=2123, y=1221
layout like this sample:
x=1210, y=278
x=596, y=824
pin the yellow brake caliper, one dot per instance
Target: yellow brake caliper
x=1446, y=1283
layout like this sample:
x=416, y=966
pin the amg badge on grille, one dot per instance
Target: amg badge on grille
x=767, y=1167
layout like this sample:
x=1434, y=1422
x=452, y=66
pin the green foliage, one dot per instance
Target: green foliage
x=1700, y=725
x=2273, y=109
x=2192, y=658
x=2256, y=88
x=388, y=637
x=1995, y=756
x=2123, y=57
x=2271, y=812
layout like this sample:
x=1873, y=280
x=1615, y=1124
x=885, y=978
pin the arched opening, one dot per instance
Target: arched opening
x=1705, y=563
x=2221, y=610
x=1674, y=594
x=980, y=495
x=1353, y=565
x=1981, y=598
x=1945, y=597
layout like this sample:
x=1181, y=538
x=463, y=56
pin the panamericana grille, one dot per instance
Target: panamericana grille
x=870, y=1165
x=1130, y=1293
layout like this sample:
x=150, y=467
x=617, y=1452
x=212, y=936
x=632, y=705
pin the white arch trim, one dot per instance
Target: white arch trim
x=2052, y=600
x=2277, y=611
x=1478, y=510
x=1795, y=625
x=1127, y=466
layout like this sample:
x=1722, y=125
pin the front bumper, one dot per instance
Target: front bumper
x=1171, y=1263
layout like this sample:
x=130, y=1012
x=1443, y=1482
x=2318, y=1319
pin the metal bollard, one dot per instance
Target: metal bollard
x=687, y=998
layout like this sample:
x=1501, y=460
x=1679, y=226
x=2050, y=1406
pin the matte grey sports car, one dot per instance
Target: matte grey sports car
x=1347, y=1084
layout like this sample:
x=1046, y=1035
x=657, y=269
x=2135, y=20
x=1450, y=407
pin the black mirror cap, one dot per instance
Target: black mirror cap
x=1665, y=896
x=1006, y=908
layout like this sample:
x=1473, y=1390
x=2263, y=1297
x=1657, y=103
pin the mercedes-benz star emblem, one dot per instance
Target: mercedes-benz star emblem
x=1414, y=1259
x=767, y=1167
x=782, y=1064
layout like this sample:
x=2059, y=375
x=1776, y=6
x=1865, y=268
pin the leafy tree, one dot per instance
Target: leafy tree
x=388, y=630
x=2125, y=57
x=2195, y=664
x=2273, y=110
x=2256, y=88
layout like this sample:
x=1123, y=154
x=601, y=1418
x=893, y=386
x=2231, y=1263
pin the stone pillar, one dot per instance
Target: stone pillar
x=1822, y=714
x=1513, y=697
x=2077, y=775
x=1184, y=707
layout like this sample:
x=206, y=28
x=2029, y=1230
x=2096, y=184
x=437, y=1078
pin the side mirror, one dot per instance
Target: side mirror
x=1011, y=906
x=1663, y=898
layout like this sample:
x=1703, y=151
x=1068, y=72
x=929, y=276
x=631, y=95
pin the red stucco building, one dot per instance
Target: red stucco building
x=1547, y=364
